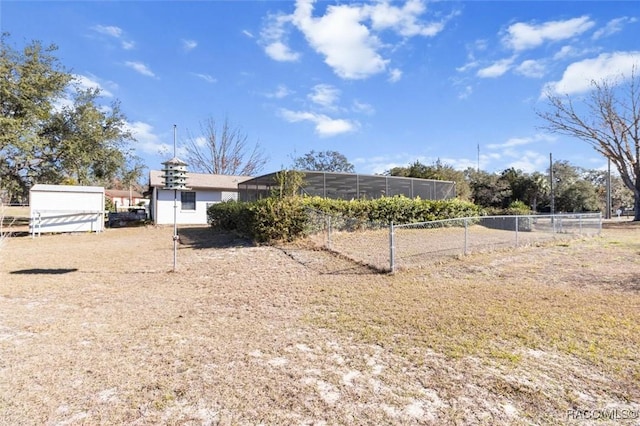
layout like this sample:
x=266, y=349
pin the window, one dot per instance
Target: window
x=188, y=200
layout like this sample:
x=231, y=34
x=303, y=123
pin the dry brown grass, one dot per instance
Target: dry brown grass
x=94, y=329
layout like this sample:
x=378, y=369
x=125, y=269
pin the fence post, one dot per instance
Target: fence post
x=466, y=236
x=516, y=230
x=392, y=248
x=599, y=223
x=580, y=222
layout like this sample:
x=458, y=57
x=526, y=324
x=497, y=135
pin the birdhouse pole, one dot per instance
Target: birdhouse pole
x=175, y=178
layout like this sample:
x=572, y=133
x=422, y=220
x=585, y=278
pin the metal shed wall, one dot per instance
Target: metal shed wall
x=66, y=208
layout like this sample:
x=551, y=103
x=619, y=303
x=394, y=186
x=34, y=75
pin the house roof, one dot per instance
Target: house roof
x=122, y=193
x=202, y=180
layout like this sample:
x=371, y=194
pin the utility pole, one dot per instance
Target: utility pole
x=607, y=214
x=553, y=201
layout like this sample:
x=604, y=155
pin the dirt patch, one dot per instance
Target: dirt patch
x=96, y=329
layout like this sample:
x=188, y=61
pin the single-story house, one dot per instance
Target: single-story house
x=124, y=198
x=191, y=205
x=66, y=208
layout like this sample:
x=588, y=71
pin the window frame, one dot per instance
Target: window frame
x=185, y=205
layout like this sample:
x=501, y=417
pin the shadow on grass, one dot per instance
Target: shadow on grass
x=205, y=238
x=44, y=271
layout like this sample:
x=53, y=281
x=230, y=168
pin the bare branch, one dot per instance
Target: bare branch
x=223, y=151
x=608, y=120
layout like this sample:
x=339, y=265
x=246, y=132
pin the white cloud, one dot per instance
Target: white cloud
x=496, y=69
x=347, y=35
x=403, y=20
x=578, y=76
x=114, y=32
x=383, y=163
x=348, y=46
x=531, y=68
x=324, y=125
x=363, y=107
x=84, y=82
x=565, y=52
x=188, y=45
x=273, y=38
x=613, y=26
x=201, y=141
x=140, y=68
x=523, y=36
x=512, y=142
x=568, y=51
x=324, y=95
x=529, y=161
x=465, y=92
x=511, y=153
x=146, y=140
x=479, y=45
x=469, y=65
x=109, y=30
x=248, y=33
x=395, y=75
x=281, y=92
x=279, y=51
x=460, y=163
x=206, y=77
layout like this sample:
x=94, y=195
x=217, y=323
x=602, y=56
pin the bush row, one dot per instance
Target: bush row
x=271, y=219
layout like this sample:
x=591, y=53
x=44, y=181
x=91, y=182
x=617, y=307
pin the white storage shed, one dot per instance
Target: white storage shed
x=66, y=208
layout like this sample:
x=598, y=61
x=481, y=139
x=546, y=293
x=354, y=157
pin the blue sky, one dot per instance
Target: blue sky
x=384, y=83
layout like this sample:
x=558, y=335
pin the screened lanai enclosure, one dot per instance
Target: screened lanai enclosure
x=348, y=186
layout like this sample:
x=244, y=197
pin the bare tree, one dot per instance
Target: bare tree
x=223, y=151
x=608, y=119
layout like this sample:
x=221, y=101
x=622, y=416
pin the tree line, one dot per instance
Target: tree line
x=575, y=189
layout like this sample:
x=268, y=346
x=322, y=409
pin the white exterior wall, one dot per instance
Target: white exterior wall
x=123, y=202
x=65, y=208
x=163, y=208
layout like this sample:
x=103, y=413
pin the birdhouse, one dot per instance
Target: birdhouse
x=175, y=174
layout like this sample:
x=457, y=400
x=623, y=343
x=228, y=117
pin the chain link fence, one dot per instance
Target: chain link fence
x=360, y=240
x=389, y=247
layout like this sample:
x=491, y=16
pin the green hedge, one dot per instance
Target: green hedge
x=272, y=219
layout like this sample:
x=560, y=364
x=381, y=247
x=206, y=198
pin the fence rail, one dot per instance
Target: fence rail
x=66, y=221
x=388, y=247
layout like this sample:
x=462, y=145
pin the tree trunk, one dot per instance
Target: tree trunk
x=636, y=204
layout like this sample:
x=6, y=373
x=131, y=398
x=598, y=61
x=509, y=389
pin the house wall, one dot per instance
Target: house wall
x=60, y=208
x=123, y=202
x=163, y=206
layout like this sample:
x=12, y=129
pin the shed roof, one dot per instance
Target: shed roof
x=202, y=180
x=66, y=188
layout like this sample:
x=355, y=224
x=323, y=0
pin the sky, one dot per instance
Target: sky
x=385, y=83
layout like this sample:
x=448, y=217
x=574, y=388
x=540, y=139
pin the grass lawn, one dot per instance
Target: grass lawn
x=97, y=329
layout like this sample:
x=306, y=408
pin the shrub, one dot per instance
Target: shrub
x=230, y=216
x=287, y=218
x=275, y=219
